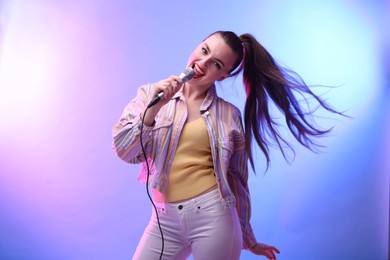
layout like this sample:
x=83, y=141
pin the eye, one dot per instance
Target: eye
x=204, y=51
x=217, y=65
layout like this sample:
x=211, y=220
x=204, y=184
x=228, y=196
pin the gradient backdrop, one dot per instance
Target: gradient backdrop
x=68, y=68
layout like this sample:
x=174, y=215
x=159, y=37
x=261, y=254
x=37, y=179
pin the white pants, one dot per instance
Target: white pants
x=202, y=226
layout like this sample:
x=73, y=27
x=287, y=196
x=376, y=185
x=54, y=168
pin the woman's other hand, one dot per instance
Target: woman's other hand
x=265, y=250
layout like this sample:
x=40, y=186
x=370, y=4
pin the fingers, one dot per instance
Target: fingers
x=270, y=253
x=271, y=256
x=168, y=86
x=265, y=250
x=273, y=249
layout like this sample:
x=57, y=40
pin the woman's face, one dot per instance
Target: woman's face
x=212, y=60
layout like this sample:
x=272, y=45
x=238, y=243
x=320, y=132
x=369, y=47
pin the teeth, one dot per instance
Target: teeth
x=198, y=70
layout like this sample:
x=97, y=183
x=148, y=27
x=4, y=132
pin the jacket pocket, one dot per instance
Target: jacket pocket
x=162, y=121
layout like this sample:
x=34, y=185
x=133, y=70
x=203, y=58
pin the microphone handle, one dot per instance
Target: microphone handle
x=156, y=99
x=185, y=76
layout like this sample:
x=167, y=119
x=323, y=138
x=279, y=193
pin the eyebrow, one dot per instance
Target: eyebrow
x=208, y=49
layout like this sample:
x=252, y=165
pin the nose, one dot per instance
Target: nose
x=204, y=62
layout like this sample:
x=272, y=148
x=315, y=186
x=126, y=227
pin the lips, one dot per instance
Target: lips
x=199, y=72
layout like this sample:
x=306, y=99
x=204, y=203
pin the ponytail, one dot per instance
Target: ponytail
x=264, y=80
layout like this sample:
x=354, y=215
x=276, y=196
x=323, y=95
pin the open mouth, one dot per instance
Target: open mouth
x=198, y=71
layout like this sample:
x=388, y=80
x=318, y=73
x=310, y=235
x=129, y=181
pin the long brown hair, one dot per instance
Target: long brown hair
x=265, y=80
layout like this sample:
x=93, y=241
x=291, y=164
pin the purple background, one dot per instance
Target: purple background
x=68, y=68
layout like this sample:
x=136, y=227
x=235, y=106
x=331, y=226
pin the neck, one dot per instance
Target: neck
x=194, y=92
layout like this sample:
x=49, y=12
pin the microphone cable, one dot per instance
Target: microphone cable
x=186, y=75
x=147, y=185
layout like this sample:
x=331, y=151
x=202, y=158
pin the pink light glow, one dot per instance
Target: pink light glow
x=68, y=68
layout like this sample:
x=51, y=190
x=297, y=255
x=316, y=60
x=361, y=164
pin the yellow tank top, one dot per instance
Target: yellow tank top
x=192, y=169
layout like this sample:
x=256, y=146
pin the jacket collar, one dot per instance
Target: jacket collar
x=210, y=97
x=208, y=100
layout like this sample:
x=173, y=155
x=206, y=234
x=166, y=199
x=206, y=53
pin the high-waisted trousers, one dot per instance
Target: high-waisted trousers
x=201, y=226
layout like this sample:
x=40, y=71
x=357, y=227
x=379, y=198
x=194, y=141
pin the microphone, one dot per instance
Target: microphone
x=185, y=76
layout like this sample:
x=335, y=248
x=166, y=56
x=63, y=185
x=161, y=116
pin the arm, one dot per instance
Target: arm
x=126, y=133
x=238, y=172
x=239, y=183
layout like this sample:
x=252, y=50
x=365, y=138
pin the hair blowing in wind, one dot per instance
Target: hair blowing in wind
x=265, y=80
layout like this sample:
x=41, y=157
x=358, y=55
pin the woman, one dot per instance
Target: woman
x=197, y=149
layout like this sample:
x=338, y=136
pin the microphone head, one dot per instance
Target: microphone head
x=187, y=74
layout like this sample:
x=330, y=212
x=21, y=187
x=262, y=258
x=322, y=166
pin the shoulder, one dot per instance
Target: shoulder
x=227, y=107
x=146, y=87
x=144, y=91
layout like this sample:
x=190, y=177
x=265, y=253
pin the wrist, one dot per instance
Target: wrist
x=150, y=114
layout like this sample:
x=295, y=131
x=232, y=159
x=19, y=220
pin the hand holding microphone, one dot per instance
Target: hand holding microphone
x=167, y=88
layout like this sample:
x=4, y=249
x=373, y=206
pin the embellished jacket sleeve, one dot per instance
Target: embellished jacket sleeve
x=126, y=133
x=238, y=182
